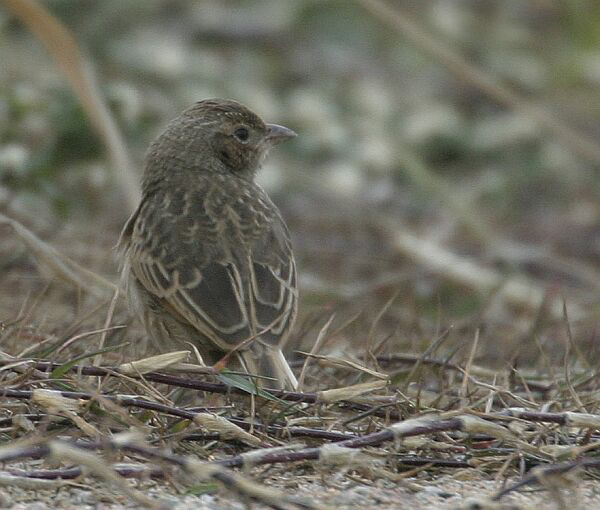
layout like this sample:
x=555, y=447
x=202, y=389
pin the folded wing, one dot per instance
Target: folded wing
x=228, y=287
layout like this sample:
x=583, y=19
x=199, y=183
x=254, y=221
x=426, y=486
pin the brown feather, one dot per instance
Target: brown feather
x=207, y=253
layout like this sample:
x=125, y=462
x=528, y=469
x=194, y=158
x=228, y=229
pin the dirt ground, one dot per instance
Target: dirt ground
x=444, y=492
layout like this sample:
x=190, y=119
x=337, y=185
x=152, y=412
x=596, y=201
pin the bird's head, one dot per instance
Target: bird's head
x=219, y=135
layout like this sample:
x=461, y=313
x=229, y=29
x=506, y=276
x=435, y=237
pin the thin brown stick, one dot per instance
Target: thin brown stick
x=127, y=401
x=64, y=50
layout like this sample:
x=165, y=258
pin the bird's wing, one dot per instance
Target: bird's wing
x=272, y=288
x=229, y=290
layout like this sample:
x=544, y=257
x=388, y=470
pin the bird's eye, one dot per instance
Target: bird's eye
x=241, y=134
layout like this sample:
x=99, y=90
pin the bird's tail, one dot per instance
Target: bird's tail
x=268, y=361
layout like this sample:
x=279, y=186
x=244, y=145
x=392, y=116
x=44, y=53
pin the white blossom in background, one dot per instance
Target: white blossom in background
x=503, y=129
x=343, y=179
x=431, y=120
x=13, y=158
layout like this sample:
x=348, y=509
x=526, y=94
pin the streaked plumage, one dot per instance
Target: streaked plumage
x=207, y=255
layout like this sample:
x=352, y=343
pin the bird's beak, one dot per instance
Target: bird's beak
x=278, y=134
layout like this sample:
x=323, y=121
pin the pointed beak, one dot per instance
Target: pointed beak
x=277, y=134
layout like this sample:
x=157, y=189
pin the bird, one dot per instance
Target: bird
x=206, y=256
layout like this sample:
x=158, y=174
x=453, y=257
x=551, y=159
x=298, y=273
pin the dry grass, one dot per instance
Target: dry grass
x=77, y=395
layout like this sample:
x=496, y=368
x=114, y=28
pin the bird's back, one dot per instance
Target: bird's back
x=214, y=254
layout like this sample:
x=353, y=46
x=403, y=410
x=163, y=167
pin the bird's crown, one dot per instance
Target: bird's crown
x=220, y=110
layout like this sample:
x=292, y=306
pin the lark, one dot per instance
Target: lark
x=207, y=256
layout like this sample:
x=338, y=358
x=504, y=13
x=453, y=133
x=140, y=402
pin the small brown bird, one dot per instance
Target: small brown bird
x=207, y=255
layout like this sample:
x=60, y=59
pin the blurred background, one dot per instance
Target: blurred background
x=444, y=181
